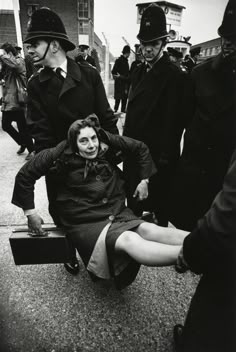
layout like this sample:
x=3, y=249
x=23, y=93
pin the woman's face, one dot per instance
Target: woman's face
x=88, y=143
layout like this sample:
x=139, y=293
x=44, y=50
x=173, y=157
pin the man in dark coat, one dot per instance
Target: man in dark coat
x=120, y=74
x=210, y=250
x=62, y=91
x=155, y=113
x=209, y=140
x=83, y=55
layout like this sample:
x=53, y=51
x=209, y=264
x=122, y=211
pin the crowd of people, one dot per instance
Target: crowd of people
x=71, y=135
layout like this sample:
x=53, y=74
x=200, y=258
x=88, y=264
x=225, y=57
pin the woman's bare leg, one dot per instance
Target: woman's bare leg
x=166, y=235
x=147, y=252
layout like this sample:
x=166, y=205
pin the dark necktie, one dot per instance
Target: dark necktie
x=58, y=73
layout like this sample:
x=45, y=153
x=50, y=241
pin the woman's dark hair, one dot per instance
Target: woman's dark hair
x=78, y=125
x=9, y=48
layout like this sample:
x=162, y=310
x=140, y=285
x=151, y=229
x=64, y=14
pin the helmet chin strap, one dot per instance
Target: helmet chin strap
x=44, y=55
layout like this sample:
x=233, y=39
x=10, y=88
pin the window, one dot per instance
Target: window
x=83, y=8
x=83, y=28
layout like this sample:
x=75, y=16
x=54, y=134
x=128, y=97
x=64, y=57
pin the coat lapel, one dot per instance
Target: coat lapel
x=73, y=76
x=148, y=81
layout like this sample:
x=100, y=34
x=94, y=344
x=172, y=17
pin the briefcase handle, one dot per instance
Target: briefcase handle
x=32, y=234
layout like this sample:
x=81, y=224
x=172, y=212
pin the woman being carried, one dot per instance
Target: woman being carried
x=110, y=239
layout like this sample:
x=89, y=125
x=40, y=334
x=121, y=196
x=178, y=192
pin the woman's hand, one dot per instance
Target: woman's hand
x=142, y=190
x=35, y=225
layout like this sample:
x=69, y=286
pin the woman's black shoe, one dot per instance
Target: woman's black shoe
x=178, y=335
x=72, y=267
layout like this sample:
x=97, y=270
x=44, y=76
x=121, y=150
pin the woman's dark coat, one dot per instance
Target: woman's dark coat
x=121, y=66
x=156, y=115
x=86, y=200
x=81, y=94
x=209, y=142
x=210, y=249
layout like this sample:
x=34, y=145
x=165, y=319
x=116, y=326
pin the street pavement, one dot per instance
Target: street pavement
x=45, y=309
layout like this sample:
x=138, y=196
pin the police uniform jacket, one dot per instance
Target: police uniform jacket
x=121, y=66
x=156, y=113
x=210, y=250
x=209, y=141
x=90, y=193
x=53, y=105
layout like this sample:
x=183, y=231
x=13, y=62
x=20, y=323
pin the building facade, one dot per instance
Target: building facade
x=209, y=48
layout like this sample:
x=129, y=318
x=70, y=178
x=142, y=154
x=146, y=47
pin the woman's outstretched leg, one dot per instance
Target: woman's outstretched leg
x=145, y=252
x=166, y=235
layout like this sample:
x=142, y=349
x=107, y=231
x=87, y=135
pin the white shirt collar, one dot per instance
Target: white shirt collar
x=63, y=68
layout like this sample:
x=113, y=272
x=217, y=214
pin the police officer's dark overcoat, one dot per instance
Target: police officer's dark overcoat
x=208, y=143
x=210, y=250
x=155, y=115
x=81, y=94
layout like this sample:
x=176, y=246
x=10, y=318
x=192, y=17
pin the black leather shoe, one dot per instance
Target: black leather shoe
x=178, y=332
x=21, y=150
x=72, y=267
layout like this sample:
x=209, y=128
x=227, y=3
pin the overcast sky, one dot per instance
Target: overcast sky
x=118, y=18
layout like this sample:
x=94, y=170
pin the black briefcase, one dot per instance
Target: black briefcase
x=28, y=249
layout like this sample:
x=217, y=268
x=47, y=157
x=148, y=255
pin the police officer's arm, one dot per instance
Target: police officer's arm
x=103, y=110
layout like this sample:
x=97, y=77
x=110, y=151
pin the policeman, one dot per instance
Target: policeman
x=83, y=55
x=60, y=92
x=176, y=57
x=155, y=112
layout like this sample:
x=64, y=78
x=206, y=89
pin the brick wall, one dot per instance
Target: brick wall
x=66, y=9
x=7, y=27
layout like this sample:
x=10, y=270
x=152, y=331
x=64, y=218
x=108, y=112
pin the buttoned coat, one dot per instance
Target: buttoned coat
x=209, y=142
x=210, y=250
x=87, y=202
x=156, y=115
x=53, y=108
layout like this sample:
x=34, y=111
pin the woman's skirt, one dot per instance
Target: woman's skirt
x=95, y=243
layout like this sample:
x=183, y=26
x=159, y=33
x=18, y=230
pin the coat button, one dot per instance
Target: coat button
x=98, y=178
x=105, y=200
x=111, y=217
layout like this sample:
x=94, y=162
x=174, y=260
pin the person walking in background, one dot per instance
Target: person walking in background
x=60, y=92
x=12, y=74
x=83, y=55
x=120, y=73
x=209, y=139
x=155, y=113
x=29, y=66
x=111, y=240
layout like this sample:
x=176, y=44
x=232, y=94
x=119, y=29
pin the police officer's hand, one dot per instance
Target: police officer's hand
x=141, y=191
x=35, y=225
